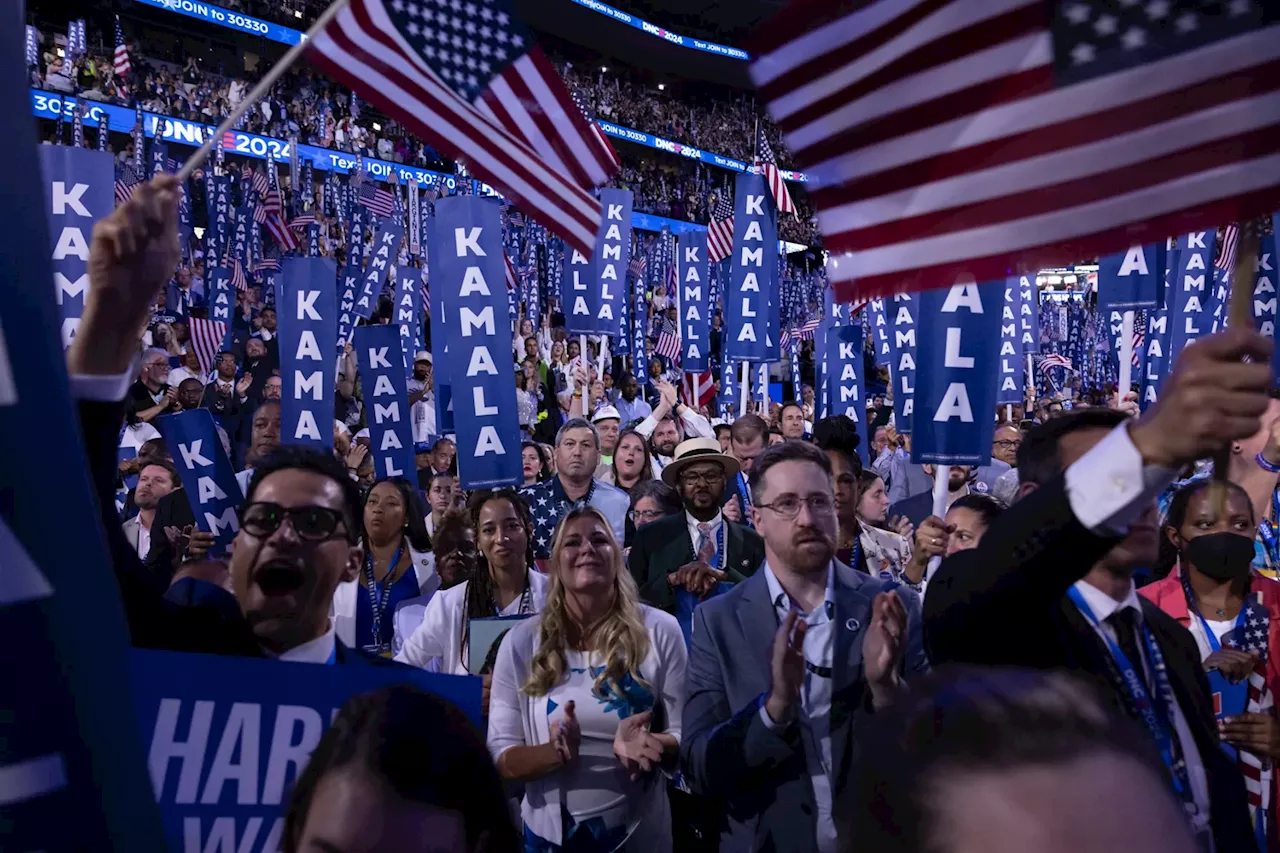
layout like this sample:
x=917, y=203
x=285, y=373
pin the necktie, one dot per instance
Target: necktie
x=1123, y=620
x=706, y=544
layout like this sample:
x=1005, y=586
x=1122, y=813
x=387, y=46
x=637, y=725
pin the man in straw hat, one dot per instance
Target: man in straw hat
x=678, y=560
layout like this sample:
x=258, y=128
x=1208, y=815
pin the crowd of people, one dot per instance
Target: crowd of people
x=722, y=635
x=309, y=106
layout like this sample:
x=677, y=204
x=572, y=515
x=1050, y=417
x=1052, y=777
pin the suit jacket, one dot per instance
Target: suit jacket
x=1005, y=604
x=192, y=615
x=171, y=300
x=173, y=510
x=729, y=754
x=662, y=546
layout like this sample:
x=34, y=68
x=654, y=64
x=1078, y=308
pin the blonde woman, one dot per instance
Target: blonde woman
x=586, y=703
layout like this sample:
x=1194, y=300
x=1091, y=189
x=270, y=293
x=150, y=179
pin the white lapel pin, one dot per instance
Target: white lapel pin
x=852, y=624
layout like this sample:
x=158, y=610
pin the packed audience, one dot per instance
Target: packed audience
x=319, y=112
x=721, y=632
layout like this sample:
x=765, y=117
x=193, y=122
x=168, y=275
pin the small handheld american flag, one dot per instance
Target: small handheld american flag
x=772, y=175
x=668, y=344
x=720, y=231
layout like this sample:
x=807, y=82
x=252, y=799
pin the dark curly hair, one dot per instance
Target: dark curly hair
x=479, y=602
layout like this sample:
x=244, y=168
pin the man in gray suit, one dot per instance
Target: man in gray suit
x=782, y=667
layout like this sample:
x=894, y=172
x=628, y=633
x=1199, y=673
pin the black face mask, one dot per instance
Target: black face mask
x=1221, y=556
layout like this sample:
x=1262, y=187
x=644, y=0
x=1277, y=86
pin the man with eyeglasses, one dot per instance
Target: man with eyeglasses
x=298, y=535
x=785, y=665
x=151, y=396
x=680, y=560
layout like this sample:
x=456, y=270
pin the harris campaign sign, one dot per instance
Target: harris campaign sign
x=901, y=313
x=613, y=252
x=386, y=247
x=467, y=270
x=1012, y=376
x=227, y=737
x=386, y=398
x=79, y=189
x=308, y=326
x=752, y=273
x=695, y=303
x=206, y=474
x=958, y=348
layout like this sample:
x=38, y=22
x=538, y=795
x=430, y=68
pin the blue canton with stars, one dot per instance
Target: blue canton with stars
x=1253, y=634
x=1096, y=37
x=466, y=42
x=548, y=504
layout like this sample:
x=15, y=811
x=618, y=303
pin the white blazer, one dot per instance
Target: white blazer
x=517, y=719
x=439, y=636
x=343, y=611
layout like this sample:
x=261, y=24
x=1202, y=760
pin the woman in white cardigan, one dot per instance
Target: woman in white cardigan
x=586, y=703
x=505, y=583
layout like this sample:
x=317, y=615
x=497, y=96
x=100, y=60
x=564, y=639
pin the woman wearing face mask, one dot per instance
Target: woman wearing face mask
x=1213, y=592
x=587, y=703
x=504, y=583
x=398, y=570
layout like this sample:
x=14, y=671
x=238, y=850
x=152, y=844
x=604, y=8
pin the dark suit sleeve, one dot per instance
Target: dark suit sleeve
x=725, y=752
x=1022, y=568
x=914, y=660
x=750, y=548
x=651, y=580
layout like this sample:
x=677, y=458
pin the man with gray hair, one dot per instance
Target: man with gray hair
x=577, y=455
x=151, y=396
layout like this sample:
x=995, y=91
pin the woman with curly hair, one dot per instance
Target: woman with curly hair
x=586, y=703
x=503, y=583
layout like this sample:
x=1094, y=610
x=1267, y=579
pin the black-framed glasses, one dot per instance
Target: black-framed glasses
x=1008, y=443
x=313, y=523
x=644, y=516
x=788, y=506
x=709, y=478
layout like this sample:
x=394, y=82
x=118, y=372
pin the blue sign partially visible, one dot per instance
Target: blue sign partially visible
x=308, y=325
x=228, y=736
x=386, y=398
x=229, y=19
x=206, y=474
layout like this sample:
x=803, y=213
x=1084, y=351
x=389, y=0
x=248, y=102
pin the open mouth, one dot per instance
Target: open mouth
x=279, y=577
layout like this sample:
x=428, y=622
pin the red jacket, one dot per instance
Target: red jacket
x=1167, y=594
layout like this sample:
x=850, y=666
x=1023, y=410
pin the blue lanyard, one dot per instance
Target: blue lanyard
x=1241, y=617
x=380, y=596
x=1156, y=716
x=745, y=500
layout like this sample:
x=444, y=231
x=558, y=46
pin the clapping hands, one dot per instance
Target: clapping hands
x=635, y=746
x=566, y=735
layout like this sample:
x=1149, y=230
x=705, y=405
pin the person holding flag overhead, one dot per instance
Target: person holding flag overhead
x=1234, y=615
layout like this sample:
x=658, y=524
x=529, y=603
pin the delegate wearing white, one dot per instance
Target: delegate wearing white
x=595, y=785
x=439, y=637
x=408, y=613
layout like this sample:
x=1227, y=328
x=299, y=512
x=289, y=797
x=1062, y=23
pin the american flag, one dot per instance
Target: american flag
x=1053, y=359
x=264, y=264
x=272, y=208
x=698, y=389
x=238, y=279
x=773, y=177
x=720, y=231
x=668, y=344
x=1252, y=636
x=126, y=181
x=671, y=281
x=637, y=266
x=468, y=80
x=1226, y=260
x=512, y=282
x=121, y=66
x=206, y=338
x=1139, y=339
x=966, y=138
x=302, y=221
x=368, y=194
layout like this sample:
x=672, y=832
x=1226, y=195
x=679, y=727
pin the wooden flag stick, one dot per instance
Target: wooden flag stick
x=1239, y=315
x=259, y=91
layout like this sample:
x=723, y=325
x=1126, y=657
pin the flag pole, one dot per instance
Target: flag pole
x=941, y=486
x=1239, y=316
x=259, y=91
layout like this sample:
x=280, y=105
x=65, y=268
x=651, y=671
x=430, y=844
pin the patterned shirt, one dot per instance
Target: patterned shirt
x=548, y=503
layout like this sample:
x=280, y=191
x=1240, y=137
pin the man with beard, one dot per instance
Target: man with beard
x=299, y=535
x=156, y=479
x=271, y=389
x=679, y=560
x=577, y=455
x=1050, y=585
x=226, y=396
x=190, y=392
x=259, y=365
x=151, y=396
x=785, y=666
x=263, y=439
x=421, y=399
x=664, y=426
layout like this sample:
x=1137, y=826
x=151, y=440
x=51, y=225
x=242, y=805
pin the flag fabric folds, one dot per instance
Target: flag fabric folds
x=698, y=389
x=468, y=80
x=768, y=165
x=206, y=338
x=960, y=138
x=668, y=344
x=121, y=58
x=720, y=231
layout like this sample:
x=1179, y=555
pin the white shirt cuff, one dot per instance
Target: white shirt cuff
x=101, y=389
x=1109, y=488
x=776, y=728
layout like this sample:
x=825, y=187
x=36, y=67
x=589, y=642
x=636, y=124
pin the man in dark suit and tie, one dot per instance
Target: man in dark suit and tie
x=684, y=557
x=784, y=665
x=1050, y=585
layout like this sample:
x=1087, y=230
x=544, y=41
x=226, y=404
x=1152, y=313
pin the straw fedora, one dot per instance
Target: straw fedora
x=698, y=450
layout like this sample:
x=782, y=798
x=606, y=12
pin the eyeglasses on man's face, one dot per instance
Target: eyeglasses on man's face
x=788, y=506
x=644, y=516
x=313, y=523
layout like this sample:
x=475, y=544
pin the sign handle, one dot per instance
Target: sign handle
x=746, y=389
x=260, y=91
x=586, y=388
x=1126, y=358
x=941, y=483
x=1239, y=315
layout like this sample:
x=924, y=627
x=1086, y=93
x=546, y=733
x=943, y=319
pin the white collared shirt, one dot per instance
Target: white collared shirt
x=695, y=535
x=319, y=650
x=814, y=716
x=1103, y=607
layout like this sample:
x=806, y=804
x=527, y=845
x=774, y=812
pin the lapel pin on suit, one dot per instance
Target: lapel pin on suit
x=852, y=624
